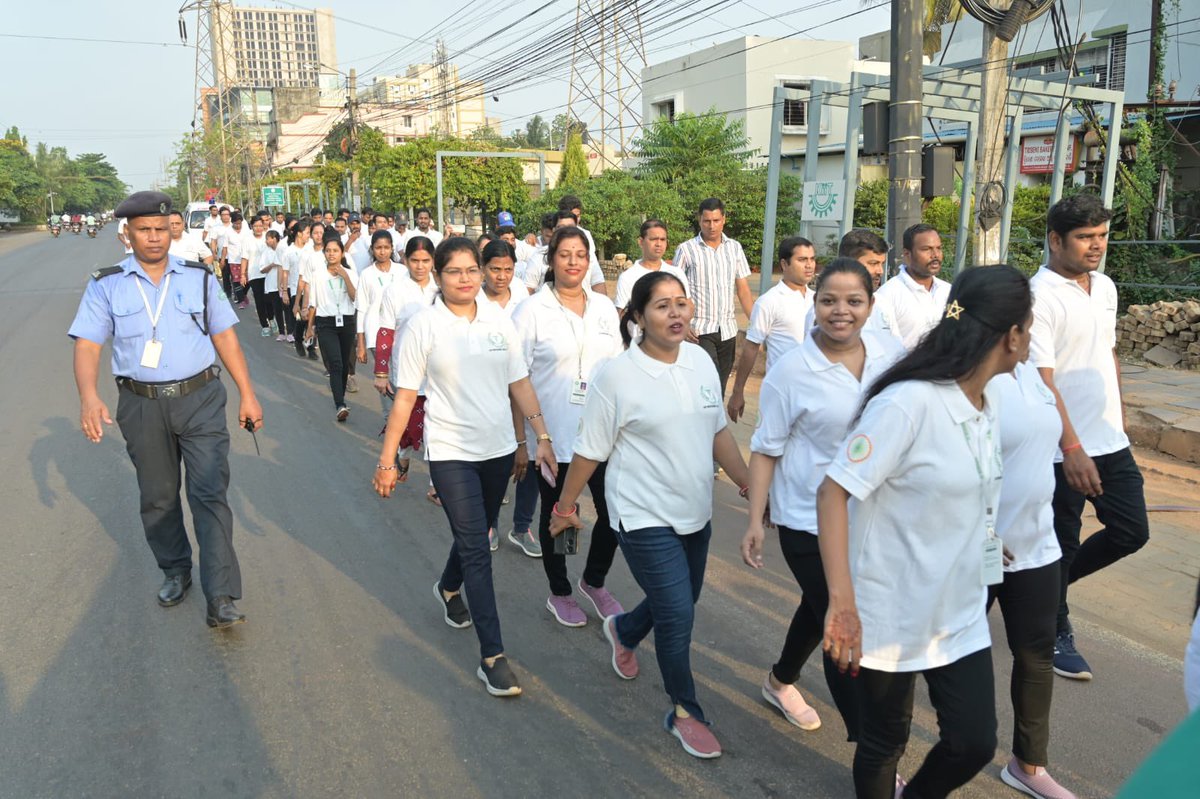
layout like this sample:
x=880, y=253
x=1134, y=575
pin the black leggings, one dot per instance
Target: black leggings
x=722, y=352
x=963, y=694
x=1028, y=602
x=803, y=556
x=604, y=541
x=262, y=305
x=337, y=349
x=284, y=318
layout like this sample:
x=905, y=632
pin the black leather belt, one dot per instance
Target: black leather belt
x=178, y=388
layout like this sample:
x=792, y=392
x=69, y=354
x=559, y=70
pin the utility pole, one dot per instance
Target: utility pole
x=50, y=196
x=993, y=95
x=904, y=121
x=351, y=105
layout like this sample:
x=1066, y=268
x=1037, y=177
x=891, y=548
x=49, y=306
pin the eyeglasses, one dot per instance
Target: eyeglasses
x=454, y=274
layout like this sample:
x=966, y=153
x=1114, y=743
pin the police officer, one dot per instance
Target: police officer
x=168, y=318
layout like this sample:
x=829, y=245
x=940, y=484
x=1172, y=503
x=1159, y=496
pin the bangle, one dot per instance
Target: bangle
x=521, y=443
x=744, y=491
x=382, y=468
x=1076, y=445
x=535, y=416
x=560, y=514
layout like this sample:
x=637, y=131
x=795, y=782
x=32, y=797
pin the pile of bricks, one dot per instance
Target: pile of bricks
x=1165, y=333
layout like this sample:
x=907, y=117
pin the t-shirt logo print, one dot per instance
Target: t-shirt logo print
x=711, y=400
x=859, y=449
x=498, y=341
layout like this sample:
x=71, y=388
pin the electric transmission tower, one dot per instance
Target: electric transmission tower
x=607, y=57
x=215, y=119
x=447, y=94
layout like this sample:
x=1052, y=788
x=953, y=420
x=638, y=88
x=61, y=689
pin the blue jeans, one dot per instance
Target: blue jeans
x=524, y=504
x=471, y=492
x=670, y=568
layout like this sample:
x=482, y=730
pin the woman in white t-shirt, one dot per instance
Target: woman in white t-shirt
x=1030, y=430
x=272, y=253
x=310, y=261
x=805, y=407
x=332, y=318
x=373, y=283
x=908, y=572
x=567, y=334
x=467, y=357
x=654, y=414
x=289, y=281
x=499, y=288
x=406, y=296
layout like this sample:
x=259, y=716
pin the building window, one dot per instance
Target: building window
x=665, y=110
x=408, y=121
x=1116, y=63
x=795, y=112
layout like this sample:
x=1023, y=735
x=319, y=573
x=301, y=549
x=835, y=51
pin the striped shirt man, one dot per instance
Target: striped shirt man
x=712, y=273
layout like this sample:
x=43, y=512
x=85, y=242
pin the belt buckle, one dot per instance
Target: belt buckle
x=171, y=390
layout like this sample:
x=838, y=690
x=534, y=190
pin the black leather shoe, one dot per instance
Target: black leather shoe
x=223, y=613
x=174, y=589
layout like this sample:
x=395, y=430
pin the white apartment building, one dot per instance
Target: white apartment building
x=457, y=107
x=270, y=47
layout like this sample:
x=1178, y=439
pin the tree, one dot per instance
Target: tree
x=21, y=188
x=561, y=128
x=934, y=16
x=537, y=133
x=574, y=170
x=710, y=143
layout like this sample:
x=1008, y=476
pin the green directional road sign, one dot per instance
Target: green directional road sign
x=272, y=197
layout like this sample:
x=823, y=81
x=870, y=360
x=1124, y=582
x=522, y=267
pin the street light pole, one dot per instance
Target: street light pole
x=50, y=195
x=904, y=121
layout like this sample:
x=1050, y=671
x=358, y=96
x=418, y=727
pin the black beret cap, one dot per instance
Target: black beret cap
x=144, y=203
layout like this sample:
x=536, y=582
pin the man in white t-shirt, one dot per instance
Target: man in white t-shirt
x=1073, y=345
x=778, y=317
x=652, y=239
x=280, y=224
x=424, y=228
x=186, y=243
x=506, y=229
x=213, y=220
x=914, y=301
x=121, y=235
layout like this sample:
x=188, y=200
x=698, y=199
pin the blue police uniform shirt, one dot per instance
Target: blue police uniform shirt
x=113, y=306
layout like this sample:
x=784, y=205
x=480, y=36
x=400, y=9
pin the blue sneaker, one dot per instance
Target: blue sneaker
x=1067, y=661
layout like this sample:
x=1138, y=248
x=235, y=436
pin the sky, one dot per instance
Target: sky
x=131, y=97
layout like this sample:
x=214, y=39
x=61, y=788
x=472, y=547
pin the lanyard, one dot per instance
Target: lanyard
x=580, y=343
x=156, y=314
x=992, y=460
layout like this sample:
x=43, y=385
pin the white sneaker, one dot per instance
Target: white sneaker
x=266, y=332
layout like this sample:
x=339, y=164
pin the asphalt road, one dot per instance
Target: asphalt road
x=345, y=681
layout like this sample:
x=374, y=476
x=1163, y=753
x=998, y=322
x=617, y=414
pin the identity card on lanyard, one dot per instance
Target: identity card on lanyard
x=152, y=352
x=992, y=564
x=335, y=286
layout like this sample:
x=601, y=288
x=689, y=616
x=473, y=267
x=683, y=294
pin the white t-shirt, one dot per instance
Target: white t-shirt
x=805, y=408
x=909, y=309
x=251, y=255
x=312, y=261
x=189, y=247
x=329, y=296
x=372, y=285
x=359, y=254
x=1074, y=333
x=654, y=423
x=560, y=348
x=233, y=241
x=466, y=367
x=524, y=250
x=630, y=276
x=266, y=256
x=1030, y=429
x=211, y=223
x=290, y=261
x=914, y=462
x=431, y=234
x=402, y=300
x=517, y=294
x=777, y=318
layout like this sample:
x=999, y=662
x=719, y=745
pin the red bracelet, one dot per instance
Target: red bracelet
x=558, y=513
x=1076, y=445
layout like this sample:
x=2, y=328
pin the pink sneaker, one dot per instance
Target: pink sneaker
x=601, y=600
x=1040, y=785
x=281, y=337
x=792, y=705
x=900, y=786
x=624, y=661
x=291, y=339
x=566, y=610
x=697, y=739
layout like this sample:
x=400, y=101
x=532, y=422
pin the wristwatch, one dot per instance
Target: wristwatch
x=545, y=437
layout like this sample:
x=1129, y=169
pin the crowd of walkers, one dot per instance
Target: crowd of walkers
x=923, y=449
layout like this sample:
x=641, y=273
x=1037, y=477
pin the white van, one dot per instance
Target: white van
x=195, y=215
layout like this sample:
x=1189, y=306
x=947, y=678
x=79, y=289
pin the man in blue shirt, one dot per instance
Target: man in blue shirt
x=169, y=319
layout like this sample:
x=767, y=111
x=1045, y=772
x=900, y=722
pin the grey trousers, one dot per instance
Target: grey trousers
x=159, y=434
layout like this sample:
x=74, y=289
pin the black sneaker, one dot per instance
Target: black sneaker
x=454, y=610
x=1067, y=660
x=499, y=678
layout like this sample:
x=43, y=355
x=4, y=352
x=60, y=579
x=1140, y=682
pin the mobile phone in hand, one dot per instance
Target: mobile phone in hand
x=567, y=542
x=547, y=475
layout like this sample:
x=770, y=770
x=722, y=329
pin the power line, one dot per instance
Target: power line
x=85, y=39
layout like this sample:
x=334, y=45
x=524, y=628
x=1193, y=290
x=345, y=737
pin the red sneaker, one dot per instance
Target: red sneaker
x=694, y=735
x=624, y=661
